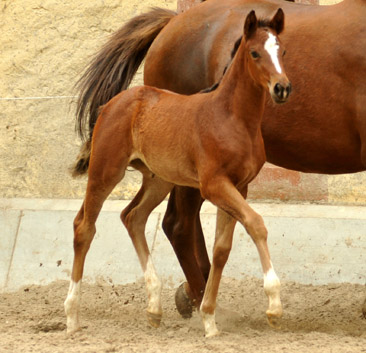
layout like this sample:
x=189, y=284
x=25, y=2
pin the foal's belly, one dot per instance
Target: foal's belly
x=170, y=166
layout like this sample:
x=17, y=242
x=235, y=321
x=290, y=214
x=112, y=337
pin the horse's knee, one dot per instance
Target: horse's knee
x=221, y=253
x=255, y=227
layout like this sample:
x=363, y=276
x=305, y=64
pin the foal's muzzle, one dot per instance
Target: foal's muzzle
x=281, y=92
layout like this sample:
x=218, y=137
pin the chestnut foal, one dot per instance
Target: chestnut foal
x=211, y=141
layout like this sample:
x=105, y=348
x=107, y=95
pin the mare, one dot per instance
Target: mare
x=210, y=141
x=321, y=130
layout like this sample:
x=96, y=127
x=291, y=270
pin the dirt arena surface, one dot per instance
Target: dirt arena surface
x=321, y=319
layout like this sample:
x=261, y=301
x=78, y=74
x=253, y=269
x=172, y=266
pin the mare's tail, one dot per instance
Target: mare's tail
x=114, y=66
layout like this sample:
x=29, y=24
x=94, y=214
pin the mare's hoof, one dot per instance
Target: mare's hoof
x=183, y=302
x=154, y=319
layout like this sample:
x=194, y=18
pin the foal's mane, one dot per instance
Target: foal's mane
x=262, y=23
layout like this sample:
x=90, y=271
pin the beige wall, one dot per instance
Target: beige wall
x=44, y=46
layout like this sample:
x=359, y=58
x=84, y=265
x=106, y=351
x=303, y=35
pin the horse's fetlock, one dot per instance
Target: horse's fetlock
x=272, y=287
x=271, y=284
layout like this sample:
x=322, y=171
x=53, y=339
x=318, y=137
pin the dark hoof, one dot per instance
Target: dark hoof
x=183, y=302
x=364, y=309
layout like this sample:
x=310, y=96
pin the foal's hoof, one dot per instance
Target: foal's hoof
x=154, y=319
x=183, y=302
x=71, y=329
x=212, y=333
x=274, y=321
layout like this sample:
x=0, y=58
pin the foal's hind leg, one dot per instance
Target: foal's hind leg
x=104, y=174
x=134, y=217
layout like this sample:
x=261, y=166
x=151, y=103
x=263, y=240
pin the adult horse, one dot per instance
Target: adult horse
x=321, y=130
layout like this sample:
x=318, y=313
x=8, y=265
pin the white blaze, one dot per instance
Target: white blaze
x=272, y=47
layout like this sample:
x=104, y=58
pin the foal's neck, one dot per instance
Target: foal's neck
x=242, y=96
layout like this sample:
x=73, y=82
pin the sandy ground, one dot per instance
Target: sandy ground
x=316, y=319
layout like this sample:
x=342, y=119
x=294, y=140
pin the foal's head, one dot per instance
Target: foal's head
x=264, y=52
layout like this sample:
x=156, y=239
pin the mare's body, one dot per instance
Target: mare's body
x=323, y=129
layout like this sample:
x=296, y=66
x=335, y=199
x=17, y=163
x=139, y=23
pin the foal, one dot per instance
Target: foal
x=210, y=141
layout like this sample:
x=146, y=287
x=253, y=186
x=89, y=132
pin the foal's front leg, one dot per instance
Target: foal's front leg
x=225, y=226
x=223, y=194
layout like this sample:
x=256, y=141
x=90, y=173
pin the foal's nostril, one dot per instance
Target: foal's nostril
x=278, y=90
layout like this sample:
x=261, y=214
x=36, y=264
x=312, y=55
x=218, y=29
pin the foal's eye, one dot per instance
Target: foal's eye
x=254, y=54
x=284, y=53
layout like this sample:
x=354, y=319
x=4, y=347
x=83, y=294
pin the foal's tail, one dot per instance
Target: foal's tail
x=80, y=167
x=114, y=66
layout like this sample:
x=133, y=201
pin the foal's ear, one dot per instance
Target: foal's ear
x=278, y=21
x=251, y=24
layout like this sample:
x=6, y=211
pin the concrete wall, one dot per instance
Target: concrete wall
x=45, y=45
x=315, y=244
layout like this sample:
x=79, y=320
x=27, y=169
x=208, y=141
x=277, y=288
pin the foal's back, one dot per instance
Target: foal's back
x=162, y=128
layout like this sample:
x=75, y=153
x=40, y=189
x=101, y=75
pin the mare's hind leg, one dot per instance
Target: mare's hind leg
x=134, y=217
x=182, y=226
x=104, y=174
x=223, y=194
